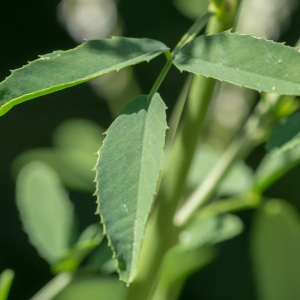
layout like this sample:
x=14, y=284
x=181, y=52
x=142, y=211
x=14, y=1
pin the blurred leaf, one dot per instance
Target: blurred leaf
x=238, y=180
x=179, y=264
x=211, y=230
x=127, y=174
x=73, y=156
x=243, y=60
x=101, y=260
x=45, y=210
x=275, y=247
x=63, y=69
x=89, y=239
x=286, y=135
x=6, y=279
x=194, y=251
x=272, y=168
x=192, y=8
x=81, y=134
x=93, y=288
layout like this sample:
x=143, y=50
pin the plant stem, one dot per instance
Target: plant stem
x=211, y=182
x=161, y=234
x=255, y=132
x=242, y=202
x=54, y=287
x=190, y=35
x=192, y=32
x=161, y=76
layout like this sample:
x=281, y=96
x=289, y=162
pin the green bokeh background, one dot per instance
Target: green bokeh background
x=29, y=28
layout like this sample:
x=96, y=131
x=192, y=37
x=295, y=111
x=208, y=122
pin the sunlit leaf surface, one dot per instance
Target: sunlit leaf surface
x=127, y=173
x=243, y=60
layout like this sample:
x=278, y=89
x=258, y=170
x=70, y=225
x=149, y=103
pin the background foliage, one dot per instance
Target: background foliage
x=30, y=28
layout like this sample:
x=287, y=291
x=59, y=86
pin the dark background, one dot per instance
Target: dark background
x=29, y=28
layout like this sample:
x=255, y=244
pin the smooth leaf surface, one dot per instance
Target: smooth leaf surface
x=45, y=210
x=286, y=135
x=62, y=69
x=127, y=173
x=275, y=249
x=243, y=60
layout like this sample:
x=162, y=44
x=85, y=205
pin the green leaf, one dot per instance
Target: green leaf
x=243, y=60
x=75, y=143
x=89, y=239
x=211, y=230
x=286, y=135
x=127, y=173
x=6, y=279
x=45, y=210
x=194, y=250
x=275, y=249
x=177, y=266
x=93, y=288
x=62, y=69
x=273, y=167
x=192, y=8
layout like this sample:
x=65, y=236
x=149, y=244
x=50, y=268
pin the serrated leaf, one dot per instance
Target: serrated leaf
x=127, y=173
x=275, y=247
x=45, y=210
x=243, y=60
x=63, y=69
x=286, y=135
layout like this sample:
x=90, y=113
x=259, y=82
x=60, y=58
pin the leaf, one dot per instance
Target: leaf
x=275, y=247
x=89, y=239
x=62, y=69
x=211, y=230
x=93, y=288
x=127, y=172
x=286, y=135
x=75, y=143
x=192, y=8
x=273, y=167
x=177, y=266
x=45, y=210
x=243, y=60
x=194, y=250
x=6, y=279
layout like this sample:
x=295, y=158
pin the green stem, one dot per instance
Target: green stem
x=161, y=76
x=242, y=202
x=255, y=132
x=54, y=287
x=190, y=35
x=192, y=32
x=211, y=182
x=161, y=233
x=6, y=279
